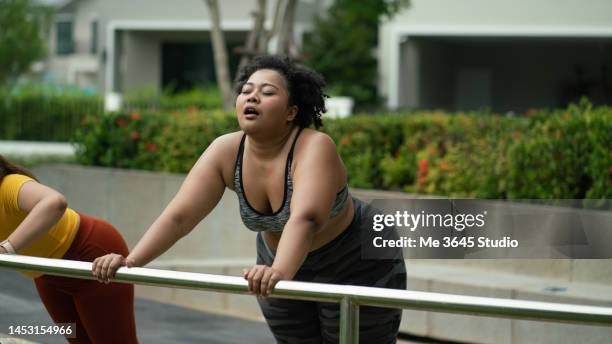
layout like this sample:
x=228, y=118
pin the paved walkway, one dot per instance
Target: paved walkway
x=158, y=323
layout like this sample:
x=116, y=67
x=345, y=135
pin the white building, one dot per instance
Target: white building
x=434, y=54
x=120, y=45
x=497, y=54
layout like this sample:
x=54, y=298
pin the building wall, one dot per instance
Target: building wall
x=522, y=73
x=508, y=13
x=537, y=73
x=173, y=14
x=409, y=74
x=433, y=18
x=64, y=68
x=436, y=81
x=142, y=60
x=142, y=54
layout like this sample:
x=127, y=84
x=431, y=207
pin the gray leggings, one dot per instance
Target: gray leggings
x=339, y=262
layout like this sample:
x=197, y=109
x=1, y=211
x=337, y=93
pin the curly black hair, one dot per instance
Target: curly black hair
x=305, y=87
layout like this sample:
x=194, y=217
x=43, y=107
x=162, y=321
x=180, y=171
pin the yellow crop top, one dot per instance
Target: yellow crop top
x=52, y=244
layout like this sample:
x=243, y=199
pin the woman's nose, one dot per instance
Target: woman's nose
x=252, y=97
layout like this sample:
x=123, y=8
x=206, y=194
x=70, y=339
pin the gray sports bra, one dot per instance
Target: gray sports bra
x=275, y=221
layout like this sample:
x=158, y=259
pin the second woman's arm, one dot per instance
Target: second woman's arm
x=45, y=207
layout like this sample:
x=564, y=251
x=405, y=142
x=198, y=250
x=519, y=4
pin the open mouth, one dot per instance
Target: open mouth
x=251, y=111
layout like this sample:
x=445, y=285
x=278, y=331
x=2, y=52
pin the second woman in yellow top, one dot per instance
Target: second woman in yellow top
x=36, y=221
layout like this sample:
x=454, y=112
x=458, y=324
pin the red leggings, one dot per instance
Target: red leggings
x=103, y=313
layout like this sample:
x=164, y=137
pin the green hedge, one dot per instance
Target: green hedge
x=51, y=113
x=567, y=155
x=363, y=142
x=35, y=114
x=197, y=99
x=560, y=154
x=149, y=141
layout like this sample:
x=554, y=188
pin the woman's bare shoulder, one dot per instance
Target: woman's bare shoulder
x=224, y=149
x=315, y=146
x=224, y=144
x=229, y=141
x=314, y=139
x=317, y=150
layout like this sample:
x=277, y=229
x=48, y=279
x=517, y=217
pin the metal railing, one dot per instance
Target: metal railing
x=349, y=297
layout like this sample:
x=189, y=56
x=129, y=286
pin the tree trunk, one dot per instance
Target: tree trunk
x=220, y=55
x=252, y=46
x=285, y=34
x=279, y=40
x=273, y=33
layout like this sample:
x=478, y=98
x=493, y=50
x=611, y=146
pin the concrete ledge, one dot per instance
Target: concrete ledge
x=34, y=148
x=462, y=280
x=131, y=200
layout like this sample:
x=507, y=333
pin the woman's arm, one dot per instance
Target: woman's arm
x=316, y=179
x=199, y=194
x=45, y=207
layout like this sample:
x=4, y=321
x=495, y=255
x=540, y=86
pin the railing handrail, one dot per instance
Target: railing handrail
x=350, y=297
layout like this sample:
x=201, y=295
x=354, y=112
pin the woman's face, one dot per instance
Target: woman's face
x=263, y=102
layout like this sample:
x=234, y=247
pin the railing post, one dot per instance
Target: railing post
x=349, y=321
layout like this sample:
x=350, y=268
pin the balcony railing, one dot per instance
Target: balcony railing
x=349, y=297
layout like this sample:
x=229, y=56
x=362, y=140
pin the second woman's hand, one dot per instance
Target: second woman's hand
x=105, y=267
x=262, y=279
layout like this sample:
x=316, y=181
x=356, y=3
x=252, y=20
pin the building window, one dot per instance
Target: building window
x=94, y=37
x=65, y=40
